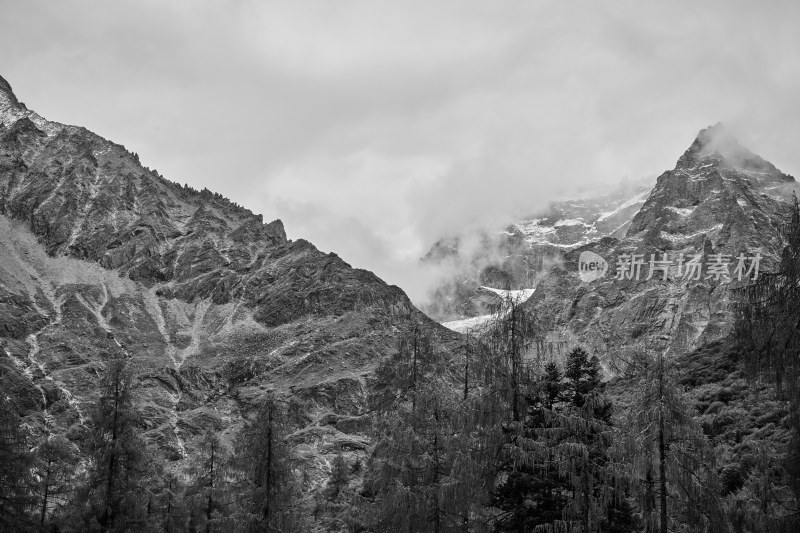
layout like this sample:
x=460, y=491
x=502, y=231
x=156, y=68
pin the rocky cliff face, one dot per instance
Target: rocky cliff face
x=719, y=199
x=103, y=258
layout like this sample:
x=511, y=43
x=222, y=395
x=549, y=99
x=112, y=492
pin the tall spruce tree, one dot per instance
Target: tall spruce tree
x=267, y=491
x=119, y=455
x=669, y=454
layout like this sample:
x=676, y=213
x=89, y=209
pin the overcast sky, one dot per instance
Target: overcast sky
x=374, y=128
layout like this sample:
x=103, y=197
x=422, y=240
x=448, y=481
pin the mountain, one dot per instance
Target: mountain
x=104, y=258
x=512, y=258
x=719, y=199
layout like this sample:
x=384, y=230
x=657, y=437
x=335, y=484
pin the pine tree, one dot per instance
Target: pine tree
x=582, y=374
x=118, y=453
x=413, y=482
x=54, y=466
x=268, y=491
x=669, y=454
x=207, y=492
x=15, y=473
x=399, y=376
x=510, y=336
x=552, y=383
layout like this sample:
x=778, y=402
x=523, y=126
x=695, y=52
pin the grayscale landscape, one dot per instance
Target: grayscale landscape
x=411, y=267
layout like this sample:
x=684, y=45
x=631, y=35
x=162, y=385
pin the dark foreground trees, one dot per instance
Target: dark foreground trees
x=15, y=473
x=768, y=334
x=266, y=470
x=498, y=441
x=669, y=457
x=119, y=459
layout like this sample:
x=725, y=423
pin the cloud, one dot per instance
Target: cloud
x=375, y=128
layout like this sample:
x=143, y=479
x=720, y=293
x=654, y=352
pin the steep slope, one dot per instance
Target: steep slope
x=719, y=199
x=104, y=258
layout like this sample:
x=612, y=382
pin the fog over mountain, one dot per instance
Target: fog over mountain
x=430, y=267
x=376, y=129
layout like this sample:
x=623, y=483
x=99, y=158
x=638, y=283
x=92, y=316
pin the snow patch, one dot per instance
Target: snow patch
x=638, y=199
x=682, y=238
x=473, y=325
x=516, y=296
x=571, y=222
x=682, y=211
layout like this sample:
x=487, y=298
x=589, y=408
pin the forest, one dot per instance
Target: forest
x=491, y=439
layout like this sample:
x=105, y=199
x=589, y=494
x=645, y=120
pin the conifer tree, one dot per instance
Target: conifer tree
x=207, y=493
x=558, y=474
x=267, y=492
x=669, y=454
x=552, y=383
x=118, y=453
x=411, y=481
x=582, y=374
x=54, y=466
x=15, y=473
x=399, y=376
x=768, y=333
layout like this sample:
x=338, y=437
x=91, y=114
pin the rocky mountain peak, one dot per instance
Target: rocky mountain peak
x=716, y=146
x=8, y=101
x=5, y=89
x=719, y=200
x=13, y=111
x=719, y=191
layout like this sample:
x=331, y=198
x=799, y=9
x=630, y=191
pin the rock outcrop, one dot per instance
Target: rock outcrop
x=720, y=202
x=104, y=258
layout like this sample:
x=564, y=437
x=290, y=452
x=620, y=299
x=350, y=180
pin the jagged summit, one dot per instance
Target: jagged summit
x=719, y=192
x=12, y=111
x=719, y=146
x=5, y=88
x=720, y=200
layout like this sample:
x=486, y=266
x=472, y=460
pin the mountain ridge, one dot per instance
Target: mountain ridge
x=107, y=259
x=720, y=200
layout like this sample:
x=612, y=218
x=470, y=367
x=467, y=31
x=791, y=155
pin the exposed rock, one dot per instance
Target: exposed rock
x=103, y=258
x=719, y=199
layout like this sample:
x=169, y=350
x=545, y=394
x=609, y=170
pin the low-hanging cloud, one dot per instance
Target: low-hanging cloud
x=373, y=129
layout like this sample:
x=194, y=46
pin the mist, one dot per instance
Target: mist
x=375, y=129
